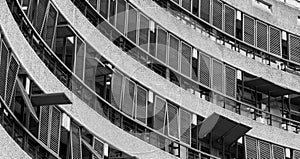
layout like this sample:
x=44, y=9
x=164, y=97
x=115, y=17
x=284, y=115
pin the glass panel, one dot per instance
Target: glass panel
x=173, y=52
x=116, y=89
x=186, y=4
x=104, y=8
x=79, y=58
x=32, y=11
x=76, y=145
x=186, y=60
x=94, y=3
x=41, y=14
x=141, y=104
x=159, y=116
x=185, y=126
x=121, y=7
x=173, y=120
x=48, y=32
x=112, y=12
x=195, y=65
x=132, y=24
x=128, y=97
x=195, y=7
x=161, y=44
x=144, y=32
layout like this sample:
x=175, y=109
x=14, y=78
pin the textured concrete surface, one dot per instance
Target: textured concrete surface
x=78, y=110
x=9, y=149
x=160, y=85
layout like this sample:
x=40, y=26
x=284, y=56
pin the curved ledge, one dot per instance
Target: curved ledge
x=9, y=148
x=158, y=84
x=78, y=110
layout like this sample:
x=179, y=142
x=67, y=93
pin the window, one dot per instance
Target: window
x=116, y=89
x=195, y=65
x=186, y=4
x=195, y=8
x=159, y=114
x=104, y=8
x=173, y=52
x=161, y=44
x=186, y=59
x=173, y=120
x=185, y=126
x=94, y=3
x=144, y=32
x=76, y=143
x=132, y=24
x=121, y=8
x=80, y=50
x=49, y=29
x=141, y=104
x=128, y=97
x=112, y=12
x=40, y=15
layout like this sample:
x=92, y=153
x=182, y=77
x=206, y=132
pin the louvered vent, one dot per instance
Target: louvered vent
x=116, y=89
x=275, y=41
x=217, y=14
x=128, y=97
x=3, y=67
x=99, y=147
x=264, y=150
x=217, y=76
x=294, y=48
x=55, y=130
x=251, y=148
x=248, y=29
x=11, y=79
x=185, y=127
x=205, y=10
x=186, y=60
x=141, y=109
x=159, y=116
x=44, y=124
x=173, y=120
x=229, y=20
x=76, y=145
x=205, y=70
x=296, y=154
x=262, y=36
x=278, y=152
x=230, y=83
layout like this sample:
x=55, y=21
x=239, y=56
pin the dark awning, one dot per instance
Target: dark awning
x=27, y=100
x=222, y=127
x=266, y=87
x=50, y=99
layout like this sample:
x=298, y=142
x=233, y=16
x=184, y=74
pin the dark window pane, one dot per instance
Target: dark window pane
x=132, y=22
x=76, y=145
x=79, y=58
x=195, y=65
x=186, y=4
x=48, y=32
x=185, y=126
x=186, y=59
x=121, y=6
x=40, y=14
x=112, y=11
x=195, y=7
x=161, y=44
x=94, y=3
x=128, y=97
x=173, y=52
x=144, y=32
x=104, y=8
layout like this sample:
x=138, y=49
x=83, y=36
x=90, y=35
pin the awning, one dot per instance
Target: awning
x=27, y=100
x=266, y=87
x=222, y=127
x=50, y=99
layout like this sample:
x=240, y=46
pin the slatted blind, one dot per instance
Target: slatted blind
x=262, y=35
x=278, y=152
x=99, y=147
x=294, y=48
x=230, y=81
x=76, y=145
x=205, y=10
x=55, y=130
x=296, y=154
x=173, y=52
x=159, y=114
x=217, y=14
x=186, y=58
x=141, y=108
x=204, y=70
x=264, y=150
x=185, y=126
x=128, y=97
x=11, y=79
x=217, y=83
x=249, y=29
x=275, y=41
x=116, y=89
x=251, y=148
x=5, y=55
x=44, y=124
x=229, y=20
x=173, y=120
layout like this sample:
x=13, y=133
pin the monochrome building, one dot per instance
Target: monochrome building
x=150, y=79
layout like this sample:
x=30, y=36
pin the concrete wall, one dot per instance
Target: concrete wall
x=160, y=85
x=78, y=110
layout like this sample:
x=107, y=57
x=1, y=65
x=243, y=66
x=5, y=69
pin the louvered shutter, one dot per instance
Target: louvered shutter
x=229, y=20
x=55, y=130
x=11, y=79
x=205, y=70
x=275, y=41
x=5, y=55
x=262, y=36
x=173, y=120
x=264, y=150
x=249, y=29
x=76, y=143
x=278, y=152
x=217, y=14
x=251, y=148
x=217, y=76
x=44, y=124
x=185, y=126
x=230, y=81
x=296, y=154
x=294, y=48
x=205, y=10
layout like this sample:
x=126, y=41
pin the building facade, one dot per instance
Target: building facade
x=189, y=79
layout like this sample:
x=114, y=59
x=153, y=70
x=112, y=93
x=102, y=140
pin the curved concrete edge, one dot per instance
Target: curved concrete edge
x=9, y=148
x=86, y=116
x=160, y=85
x=205, y=44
